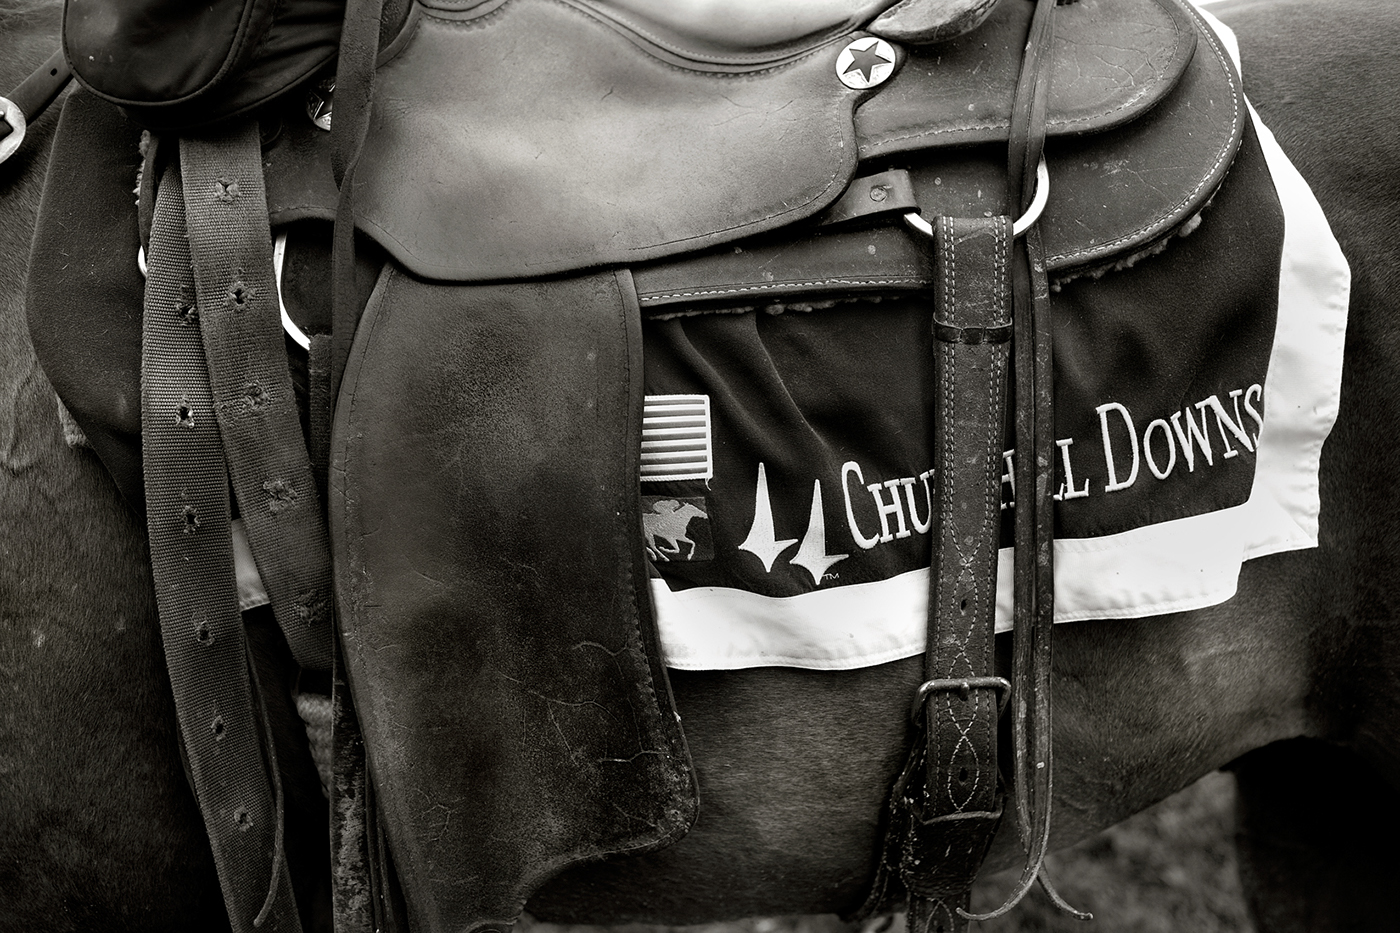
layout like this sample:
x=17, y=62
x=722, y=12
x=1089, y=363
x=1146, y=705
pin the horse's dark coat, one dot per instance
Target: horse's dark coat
x=97, y=817
x=98, y=831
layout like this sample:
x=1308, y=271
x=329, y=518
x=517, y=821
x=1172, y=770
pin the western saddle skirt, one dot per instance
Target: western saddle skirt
x=508, y=190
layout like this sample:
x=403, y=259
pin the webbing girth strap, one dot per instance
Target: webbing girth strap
x=218, y=407
x=241, y=324
x=188, y=521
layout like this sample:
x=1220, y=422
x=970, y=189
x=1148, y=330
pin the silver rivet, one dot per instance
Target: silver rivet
x=865, y=63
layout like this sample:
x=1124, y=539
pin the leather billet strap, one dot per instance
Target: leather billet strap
x=957, y=808
x=188, y=520
x=947, y=803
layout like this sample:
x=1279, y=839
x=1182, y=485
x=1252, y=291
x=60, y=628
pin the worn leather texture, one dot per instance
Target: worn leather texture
x=1110, y=62
x=180, y=66
x=448, y=204
x=1110, y=193
x=189, y=64
x=622, y=152
x=629, y=152
x=495, y=616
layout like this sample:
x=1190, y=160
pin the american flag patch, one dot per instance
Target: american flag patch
x=676, y=438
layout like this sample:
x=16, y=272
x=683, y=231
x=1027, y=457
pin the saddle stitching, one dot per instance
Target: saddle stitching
x=769, y=286
x=1226, y=151
x=992, y=494
x=1068, y=124
x=825, y=37
x=950, y=357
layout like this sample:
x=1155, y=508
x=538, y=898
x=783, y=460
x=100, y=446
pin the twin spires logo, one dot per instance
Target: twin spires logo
x=898, y=513
x=763, y=542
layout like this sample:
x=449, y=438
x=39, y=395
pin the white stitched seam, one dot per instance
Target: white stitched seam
x=758, y=287
x=1219, y=158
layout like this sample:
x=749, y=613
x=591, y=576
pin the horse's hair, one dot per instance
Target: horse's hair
x=15, y=12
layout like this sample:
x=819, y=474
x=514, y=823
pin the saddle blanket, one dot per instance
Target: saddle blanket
x=803, y=583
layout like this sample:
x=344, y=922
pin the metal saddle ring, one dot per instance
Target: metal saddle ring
x=11, y=113
x=279, y=255
x=1022, y=224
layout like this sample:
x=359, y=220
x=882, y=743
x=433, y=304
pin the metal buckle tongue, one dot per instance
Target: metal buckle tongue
x=318, y=103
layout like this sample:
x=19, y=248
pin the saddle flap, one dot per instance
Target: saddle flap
x=1112, y=195
x=1110, y=63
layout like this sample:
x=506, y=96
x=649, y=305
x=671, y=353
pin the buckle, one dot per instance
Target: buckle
x=963, y=686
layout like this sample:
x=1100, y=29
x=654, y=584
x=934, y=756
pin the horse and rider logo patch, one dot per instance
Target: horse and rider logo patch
x=677, y=528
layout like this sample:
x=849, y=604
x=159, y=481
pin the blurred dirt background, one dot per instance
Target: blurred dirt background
x=1168, y=869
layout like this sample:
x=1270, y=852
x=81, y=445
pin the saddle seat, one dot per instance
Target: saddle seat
x=630, y=153
x=730, y=27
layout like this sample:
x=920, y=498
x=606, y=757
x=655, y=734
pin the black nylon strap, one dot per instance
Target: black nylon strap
x=187, y=520
x=231, y=248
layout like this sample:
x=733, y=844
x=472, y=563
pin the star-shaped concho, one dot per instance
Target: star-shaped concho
x=863, y=67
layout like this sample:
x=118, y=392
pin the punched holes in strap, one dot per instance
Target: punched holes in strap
x=188, y=521
x=231, y=246
x=960, y=801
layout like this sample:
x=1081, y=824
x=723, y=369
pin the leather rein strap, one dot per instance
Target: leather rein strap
x=24, y=104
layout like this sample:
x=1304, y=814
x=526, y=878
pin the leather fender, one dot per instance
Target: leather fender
x=485, y=507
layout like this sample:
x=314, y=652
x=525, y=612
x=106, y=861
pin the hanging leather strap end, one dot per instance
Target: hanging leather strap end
x=943, y=855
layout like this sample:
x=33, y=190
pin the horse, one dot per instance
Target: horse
x=1291, y=684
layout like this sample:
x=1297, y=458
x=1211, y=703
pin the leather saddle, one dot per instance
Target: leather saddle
x=529, y=181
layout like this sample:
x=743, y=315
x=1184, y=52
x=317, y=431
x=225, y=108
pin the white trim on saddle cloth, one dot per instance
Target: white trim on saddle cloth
x=1170, y=567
